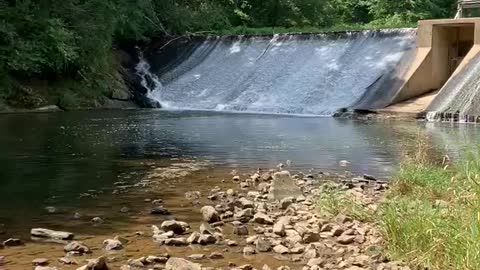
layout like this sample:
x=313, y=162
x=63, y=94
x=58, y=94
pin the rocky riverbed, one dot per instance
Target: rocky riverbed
x=261, y=220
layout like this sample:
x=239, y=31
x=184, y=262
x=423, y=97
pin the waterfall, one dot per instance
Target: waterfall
x=314, y=74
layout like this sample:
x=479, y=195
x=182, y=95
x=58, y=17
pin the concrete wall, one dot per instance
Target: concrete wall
x=433, y=65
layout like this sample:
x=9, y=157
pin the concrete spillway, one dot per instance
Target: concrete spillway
x=295, y=74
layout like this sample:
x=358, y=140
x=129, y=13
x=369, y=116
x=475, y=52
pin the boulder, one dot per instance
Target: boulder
x=178, y=227
x=286, y=202
x=248, y=251
x=46, y=233
x=206, y=239
x=193, y=238
x=280, y=249
x=245, y=203
x=112, y=244
x=181, y=264
x=209, y=214
x=244, y=215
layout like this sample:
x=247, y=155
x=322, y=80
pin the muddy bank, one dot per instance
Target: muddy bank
x=262, y=220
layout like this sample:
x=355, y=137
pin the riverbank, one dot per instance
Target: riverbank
x=238, y=225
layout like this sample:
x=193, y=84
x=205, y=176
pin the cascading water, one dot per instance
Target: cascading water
x=459, y=99
x=296, y=74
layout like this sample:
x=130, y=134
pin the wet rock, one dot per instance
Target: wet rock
x=40, y=261
x=263, y=245
x=46, y=233
x=196, y=257
x=248, y=251
x=286, y=202
x=179, y=241
x=345, y=239
x=206, y=239
x=209, y=214
x=193, y=238
x=215, y=256
x=96, y=264
x=159, y=210
x=178, y=227
x=205, y=228
x=112, y=244
x=261, y=218
x=68, y=261
x=280, y=249
x=76, y=246
x=96, y=220
x=244, y=215
x=12, y=242
x=181, y=264
x=240, y=230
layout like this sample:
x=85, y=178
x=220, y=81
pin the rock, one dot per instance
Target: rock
x=206, y=239
x=157, y=201
x=231, y=243
x=205, y=228
x=251, y=240
x=240, y=230
x=193, y=195
x=193, y=238
x=124, y=209
x=266, y=267
x=345, y=239
x=40, y=261
x=209, y=214
x=369, y=177
x=337, y=231
x=39, y=267
x=230, y=192
x=245, y=203
x=286, y=202
x=236, y=178
x=46, y=233
x=244, y=185
x=76, y=246
x=262, y=219
x=97, y=220
x=77, y=215
x=159, y=210
x=196, y=257
x=121, y=94
x=12, y=242
x=342, y=219
x=293, y=237
x=68, y=261
x=280, y=249
x=263, y=245
x=316, y=261
x=96, y=264
x=178, y=227
x=181, y=264
x=179, y=241
x=310, y=237
x=112, y=244
x=283, y=186
x=279, y=229
x=244, y=215
x=215, y=256
x=248, y=251
x=51, y=209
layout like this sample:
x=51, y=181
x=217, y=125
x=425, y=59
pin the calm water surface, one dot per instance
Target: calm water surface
x=50, y=159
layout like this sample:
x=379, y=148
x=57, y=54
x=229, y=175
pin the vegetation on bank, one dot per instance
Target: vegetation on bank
x=430, y=217
x=63, y=50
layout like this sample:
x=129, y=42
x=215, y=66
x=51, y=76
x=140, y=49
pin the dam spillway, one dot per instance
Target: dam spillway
x=307, y=74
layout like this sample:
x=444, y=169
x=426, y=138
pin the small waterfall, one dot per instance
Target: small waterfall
x=149, y=80
x=432, y=116
x=308, y=74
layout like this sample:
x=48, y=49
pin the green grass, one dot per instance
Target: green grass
x=432, y=215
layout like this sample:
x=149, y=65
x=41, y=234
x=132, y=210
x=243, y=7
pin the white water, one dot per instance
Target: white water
x=315, y=74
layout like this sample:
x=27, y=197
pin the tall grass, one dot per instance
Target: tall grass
x=432, y=216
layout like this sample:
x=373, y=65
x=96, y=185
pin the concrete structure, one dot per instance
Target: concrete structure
x=444, y=47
